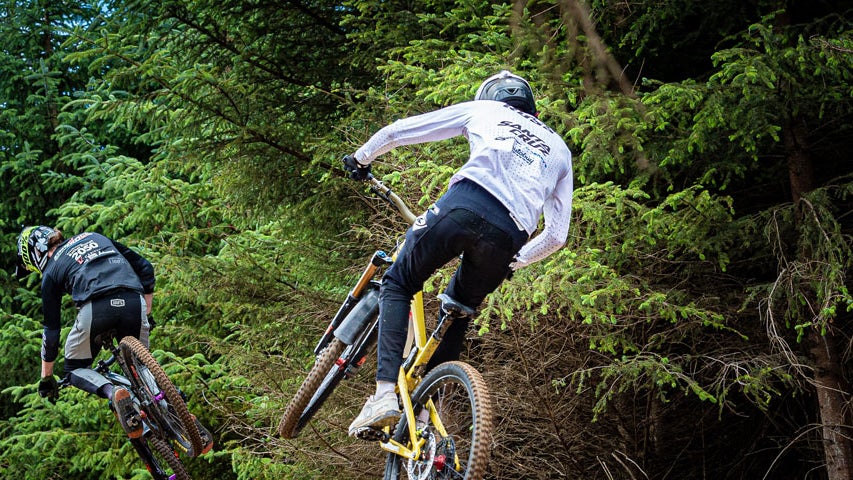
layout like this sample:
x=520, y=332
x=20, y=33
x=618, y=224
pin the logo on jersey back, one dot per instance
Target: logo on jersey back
x=527, y=155
x=526, y=136
x=77, y=252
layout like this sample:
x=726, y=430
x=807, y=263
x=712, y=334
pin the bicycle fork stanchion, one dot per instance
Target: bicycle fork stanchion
x=378, y=259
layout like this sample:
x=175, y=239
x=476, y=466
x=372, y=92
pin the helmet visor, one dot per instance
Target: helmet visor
x=21, y=271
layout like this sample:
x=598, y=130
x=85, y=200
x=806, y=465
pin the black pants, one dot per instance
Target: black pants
x=469, y=221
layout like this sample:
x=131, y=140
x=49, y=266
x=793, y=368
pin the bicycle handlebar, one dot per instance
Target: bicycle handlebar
x=392, y=198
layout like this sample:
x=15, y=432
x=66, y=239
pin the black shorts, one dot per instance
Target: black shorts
x=122, y=311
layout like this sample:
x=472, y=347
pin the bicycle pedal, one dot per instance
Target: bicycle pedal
x=135, y=422
x=372, y=435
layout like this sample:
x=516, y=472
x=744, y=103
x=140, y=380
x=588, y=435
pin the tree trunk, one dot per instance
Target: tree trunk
x=829, y=384
x=800, y=170
x=830, y=388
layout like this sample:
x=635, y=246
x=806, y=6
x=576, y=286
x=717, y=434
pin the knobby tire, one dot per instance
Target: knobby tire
x=158, y=451
x=464, y=406
x=327, y=386
x=174, y=417
x=293, y=420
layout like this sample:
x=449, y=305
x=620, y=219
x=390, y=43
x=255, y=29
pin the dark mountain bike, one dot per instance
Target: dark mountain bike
x=455, y=441
x=167, y=425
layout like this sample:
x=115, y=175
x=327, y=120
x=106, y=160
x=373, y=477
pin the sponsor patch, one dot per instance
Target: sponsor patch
x=117, y=302
x=421, y=221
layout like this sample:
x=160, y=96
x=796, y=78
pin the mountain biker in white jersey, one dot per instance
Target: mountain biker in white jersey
x=518, y=170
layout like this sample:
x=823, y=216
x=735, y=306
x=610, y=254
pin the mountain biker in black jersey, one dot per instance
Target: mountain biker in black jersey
x=112, y=287
x=518, y=170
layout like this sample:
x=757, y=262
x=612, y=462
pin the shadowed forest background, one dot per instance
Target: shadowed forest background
x=697, y=324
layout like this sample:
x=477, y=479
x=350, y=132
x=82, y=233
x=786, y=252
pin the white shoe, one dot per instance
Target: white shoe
x=376, y=414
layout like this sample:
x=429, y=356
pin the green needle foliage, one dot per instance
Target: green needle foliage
x=685, y=330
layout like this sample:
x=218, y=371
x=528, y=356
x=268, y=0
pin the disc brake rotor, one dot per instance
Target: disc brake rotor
x=422, y=469
x=437, y=460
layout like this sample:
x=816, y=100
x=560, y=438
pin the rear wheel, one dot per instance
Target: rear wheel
x=463, y=404
x=159, y=398
x=160, y=459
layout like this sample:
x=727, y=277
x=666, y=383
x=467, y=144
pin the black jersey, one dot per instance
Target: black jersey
x=87, y=266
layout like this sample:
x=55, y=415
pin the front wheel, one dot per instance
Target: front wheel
x=324, y=367
x=159, y=398
x=338, y=360
x=463, y=405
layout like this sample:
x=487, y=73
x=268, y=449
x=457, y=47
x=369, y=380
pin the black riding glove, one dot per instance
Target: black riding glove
x=356, y=170
x=49, y=388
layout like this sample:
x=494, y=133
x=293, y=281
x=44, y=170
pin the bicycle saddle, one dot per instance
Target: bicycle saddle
x=104, y=339
x=454, y=308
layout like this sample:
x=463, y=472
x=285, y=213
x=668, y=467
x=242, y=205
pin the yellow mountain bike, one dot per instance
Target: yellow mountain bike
x=455, y=441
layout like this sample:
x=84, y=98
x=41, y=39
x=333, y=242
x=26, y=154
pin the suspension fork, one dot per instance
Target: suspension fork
x=378, y=259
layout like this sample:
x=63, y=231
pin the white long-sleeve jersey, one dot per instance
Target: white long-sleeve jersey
x=514, y=156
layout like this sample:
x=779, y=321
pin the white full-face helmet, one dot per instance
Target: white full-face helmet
x=508, y=88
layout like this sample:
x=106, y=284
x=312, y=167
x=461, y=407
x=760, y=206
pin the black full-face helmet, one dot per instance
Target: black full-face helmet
x=33, y=245
x=508, y=88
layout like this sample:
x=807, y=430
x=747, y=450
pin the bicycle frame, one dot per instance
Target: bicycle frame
x=119, y=380
x=164, y=425
x=410, y=376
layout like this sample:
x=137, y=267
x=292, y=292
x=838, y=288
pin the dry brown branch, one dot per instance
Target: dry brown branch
x=604, y=62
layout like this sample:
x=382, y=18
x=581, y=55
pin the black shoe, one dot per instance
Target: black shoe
x=127, y=415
